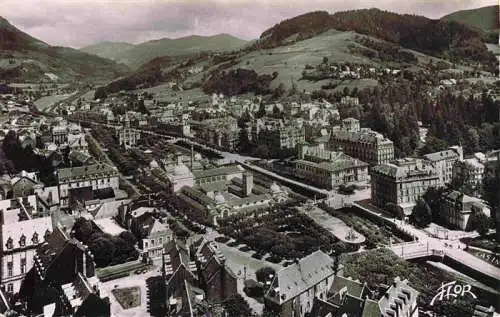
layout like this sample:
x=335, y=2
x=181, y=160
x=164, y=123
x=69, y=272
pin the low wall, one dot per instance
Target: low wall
x=381, y=221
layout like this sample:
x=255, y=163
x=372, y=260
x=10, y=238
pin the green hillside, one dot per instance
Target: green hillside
x=485, y=18
x=24, y=58
x=107, y=49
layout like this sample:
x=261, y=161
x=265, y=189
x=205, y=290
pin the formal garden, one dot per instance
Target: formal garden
x=284, y=233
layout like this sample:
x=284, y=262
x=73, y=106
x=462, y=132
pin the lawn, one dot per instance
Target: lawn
x=47, y=101
x=129, y=297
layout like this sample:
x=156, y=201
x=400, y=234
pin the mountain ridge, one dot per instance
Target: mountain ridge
x=483, y=18
x=286, y=50
x=436, y=37
x=141, y=53
x=25, y=58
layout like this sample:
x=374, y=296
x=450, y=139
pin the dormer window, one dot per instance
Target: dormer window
x=35, y=238
x=10, y=243
x=22, y=241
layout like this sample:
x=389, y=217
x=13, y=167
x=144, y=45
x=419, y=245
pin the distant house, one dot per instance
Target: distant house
x=25, y=184
x=444, y=161
x=78, y=158
x=148, y=226
x=89, y=198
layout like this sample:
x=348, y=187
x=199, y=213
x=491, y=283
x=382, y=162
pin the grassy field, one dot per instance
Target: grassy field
x=47, y=101
x=290, y=61
x=166, y=94
x=485, y=18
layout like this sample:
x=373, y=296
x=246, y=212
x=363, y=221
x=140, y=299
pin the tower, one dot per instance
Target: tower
x=192, y=156
x=247, y=183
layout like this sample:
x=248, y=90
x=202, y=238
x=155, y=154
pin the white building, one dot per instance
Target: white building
x=159, y=233
x=444, y=161
x=19, y=242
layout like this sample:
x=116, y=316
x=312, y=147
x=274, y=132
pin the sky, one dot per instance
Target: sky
x=77, y=23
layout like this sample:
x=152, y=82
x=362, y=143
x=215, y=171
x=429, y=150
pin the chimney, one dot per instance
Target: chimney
x=84, y=263
x=247, y=183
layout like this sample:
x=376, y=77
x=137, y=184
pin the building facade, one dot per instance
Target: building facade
x=19, y=242
x=127, y=136
x=444, y=161
x=364, y=144
x=97, y=176
x=329, y=169
x=278, y=134
x=457, y=210
x=402, y=182
x=295, y=287
x=222, y=133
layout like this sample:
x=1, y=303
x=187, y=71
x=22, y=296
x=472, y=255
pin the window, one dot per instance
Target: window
x=35, y=238
x=22, y=241
x=145, y=244
x=23, y=266
x=10, y=243
x=10, y=267
x=47, y=234
x=10, y=288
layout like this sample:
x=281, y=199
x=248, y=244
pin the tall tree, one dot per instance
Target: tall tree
x=421, y=215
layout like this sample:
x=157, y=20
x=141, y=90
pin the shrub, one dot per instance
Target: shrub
x=263, y=274
x=222, y=239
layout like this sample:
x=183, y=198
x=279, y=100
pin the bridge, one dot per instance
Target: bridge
x=414, y=250
x=451, y=252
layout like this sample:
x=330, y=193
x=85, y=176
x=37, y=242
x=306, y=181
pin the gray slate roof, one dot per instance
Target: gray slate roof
x=87, y=171
x=443, y=155
x=299, y=277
